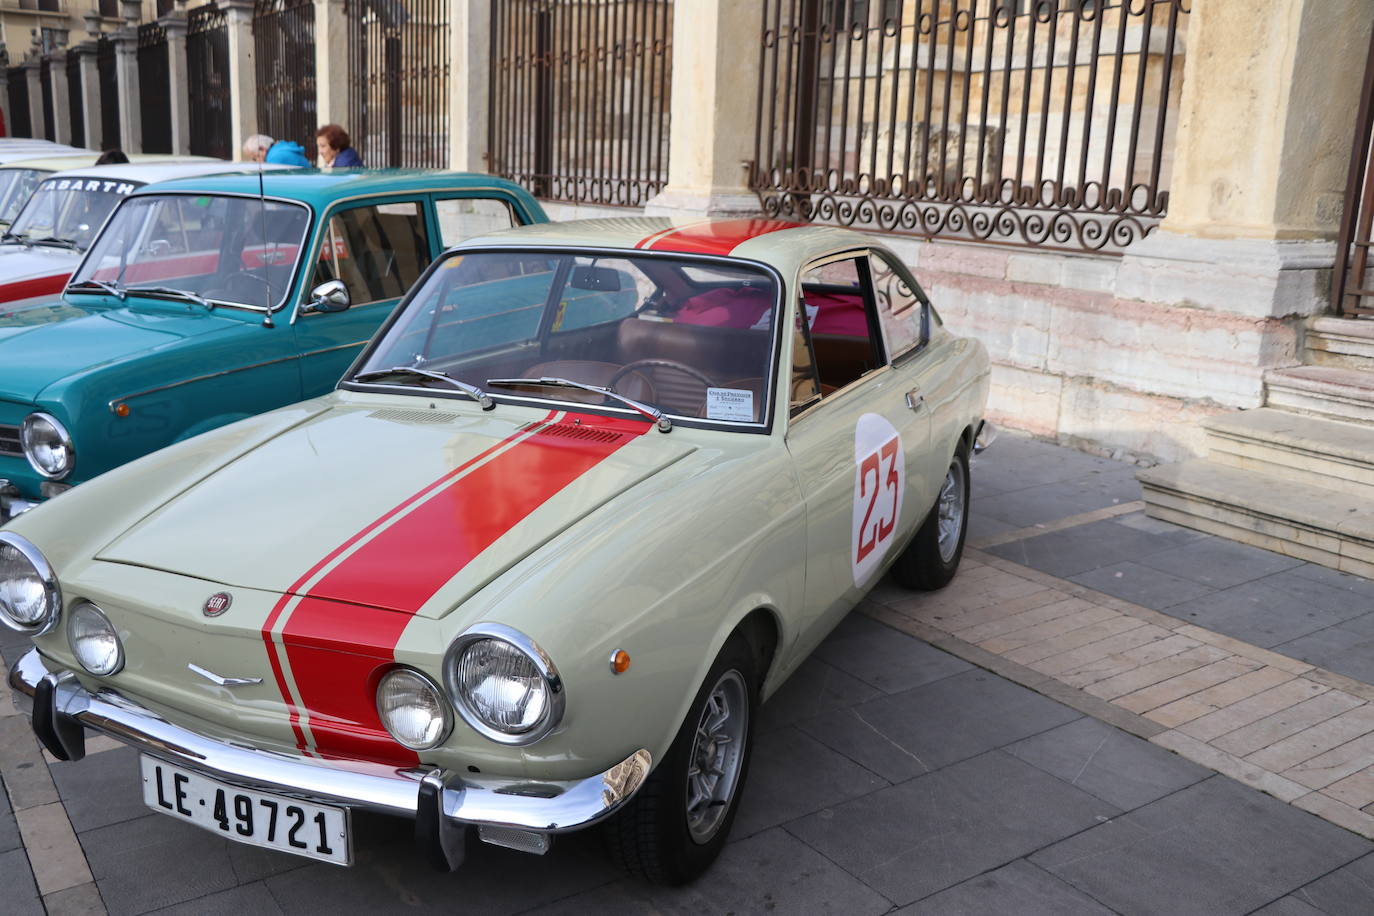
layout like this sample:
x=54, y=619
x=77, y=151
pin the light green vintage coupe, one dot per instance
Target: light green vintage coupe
x=594, y=491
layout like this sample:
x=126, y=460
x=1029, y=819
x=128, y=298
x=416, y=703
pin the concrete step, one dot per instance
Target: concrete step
x=1332, y=454
x=1326, y=391
x=1343, y=342
x=1298, y=520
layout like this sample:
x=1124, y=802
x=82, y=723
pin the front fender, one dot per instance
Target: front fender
x=204, y=426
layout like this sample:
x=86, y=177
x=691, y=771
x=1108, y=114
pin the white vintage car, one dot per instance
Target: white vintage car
x=593, y=492
x=62, y=214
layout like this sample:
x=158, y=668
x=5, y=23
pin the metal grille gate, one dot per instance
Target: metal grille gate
x=1027, y=122
x=207, y=70
x=45, y=87
x=398, y=63
x=154, y=88
x=579, y=99
x=19, y=125
x=1350, y=293
x=284, y=42
x=76, y=104
x=109, y=93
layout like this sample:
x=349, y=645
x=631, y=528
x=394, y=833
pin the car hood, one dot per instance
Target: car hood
x=19, y=266
x=387, y=506
x=43, y=342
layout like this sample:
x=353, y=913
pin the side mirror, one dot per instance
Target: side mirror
x=330, y=296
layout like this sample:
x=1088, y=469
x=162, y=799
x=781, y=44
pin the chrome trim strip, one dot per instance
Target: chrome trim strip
x=114, y=404
x=574, y=803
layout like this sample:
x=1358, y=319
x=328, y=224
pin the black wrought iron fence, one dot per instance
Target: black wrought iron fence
x=107, y=76
x=207, y=72
x=76, y=104
x=1046, y=123
x=45, y=90
x=154, y=88
x=398, y=64
x=579, y=97
x=284, y=42
x=18, y=86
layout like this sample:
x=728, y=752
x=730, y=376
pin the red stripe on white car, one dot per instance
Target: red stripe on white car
x=341, y=637
x=37, y=286
x=713, y=237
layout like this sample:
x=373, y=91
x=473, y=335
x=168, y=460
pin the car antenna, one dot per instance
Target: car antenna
x=266, y=268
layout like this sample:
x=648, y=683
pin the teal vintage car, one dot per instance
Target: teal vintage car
x=206, y=300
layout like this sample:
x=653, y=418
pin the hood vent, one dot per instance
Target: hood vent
x=398, y=415
x=583, y=433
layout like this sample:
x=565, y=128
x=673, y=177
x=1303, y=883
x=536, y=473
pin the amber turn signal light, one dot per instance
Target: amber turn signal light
x=620, y=661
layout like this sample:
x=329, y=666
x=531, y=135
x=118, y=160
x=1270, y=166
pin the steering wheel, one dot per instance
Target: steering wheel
x=663, y=364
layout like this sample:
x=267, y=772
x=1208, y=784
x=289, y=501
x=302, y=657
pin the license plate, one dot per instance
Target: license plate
x=257, y=818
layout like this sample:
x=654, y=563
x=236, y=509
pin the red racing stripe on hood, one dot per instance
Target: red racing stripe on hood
x=342, y=635
x=713, y=237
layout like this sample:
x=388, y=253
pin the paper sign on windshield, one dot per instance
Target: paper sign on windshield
x=730, y=404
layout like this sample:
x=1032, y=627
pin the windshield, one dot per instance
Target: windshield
x=15, y=187
x=692, y=338
x=69, y=210
x=232, y=250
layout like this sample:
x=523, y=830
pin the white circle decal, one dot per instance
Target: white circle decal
x=879, y=482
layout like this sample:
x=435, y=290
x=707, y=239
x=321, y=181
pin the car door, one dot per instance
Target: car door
x=858, y=435
x=378, y=248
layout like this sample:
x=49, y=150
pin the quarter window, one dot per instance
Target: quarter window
x=377, y=251
x=901, y=310
x=466, y=217
x=835, y=303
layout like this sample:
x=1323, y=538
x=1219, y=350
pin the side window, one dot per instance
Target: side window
x=378, y=251
x=836, y=303
x=804, y=386
x=465, y=217
x=901, y=311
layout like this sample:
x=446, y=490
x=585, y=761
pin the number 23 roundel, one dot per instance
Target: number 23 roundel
x=879, y=482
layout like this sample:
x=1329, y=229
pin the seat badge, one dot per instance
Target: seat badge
x=220, y=681
x=217, y=604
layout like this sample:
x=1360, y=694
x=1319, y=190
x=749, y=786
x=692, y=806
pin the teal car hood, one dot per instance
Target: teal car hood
x=44, y=343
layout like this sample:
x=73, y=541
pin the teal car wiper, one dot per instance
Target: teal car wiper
x=101, y=286
x=477, y=394
x=171, y=292
x=652, y=414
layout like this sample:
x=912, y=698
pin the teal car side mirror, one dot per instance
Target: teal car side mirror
x=330, y=296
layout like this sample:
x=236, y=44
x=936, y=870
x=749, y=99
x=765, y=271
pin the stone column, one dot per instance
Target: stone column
x=126, y=71
x=90, y=94
x=470, y=53
x=175, y=27
x=331, y=66
x=243, y=77
x=61, y=106
x=715, y=87
x=37, y=126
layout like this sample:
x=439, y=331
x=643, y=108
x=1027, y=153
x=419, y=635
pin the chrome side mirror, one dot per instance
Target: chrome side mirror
x=330, y=296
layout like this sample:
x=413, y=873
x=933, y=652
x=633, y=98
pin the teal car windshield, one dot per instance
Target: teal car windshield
x=68, y=211
x=690, y=338
x=15, y=187
x=229, y=250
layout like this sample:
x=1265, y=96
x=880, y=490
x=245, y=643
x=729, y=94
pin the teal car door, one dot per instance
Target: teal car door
x=378, y=250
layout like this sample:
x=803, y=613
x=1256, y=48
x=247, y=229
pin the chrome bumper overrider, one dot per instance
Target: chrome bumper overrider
x=440, y=801
x=986, y=435
x=11, y=503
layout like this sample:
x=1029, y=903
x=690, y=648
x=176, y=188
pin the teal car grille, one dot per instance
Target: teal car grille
x=9, y=441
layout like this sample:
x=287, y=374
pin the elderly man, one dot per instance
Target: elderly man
x=262, y=148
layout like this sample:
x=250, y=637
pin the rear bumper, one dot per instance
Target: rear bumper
x=440, y=801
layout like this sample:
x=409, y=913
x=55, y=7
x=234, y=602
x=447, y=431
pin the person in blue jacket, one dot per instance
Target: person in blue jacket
x=262, y=148
x=336, y=151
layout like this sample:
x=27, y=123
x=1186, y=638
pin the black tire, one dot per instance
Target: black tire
x=652, y=837
x=927, y=563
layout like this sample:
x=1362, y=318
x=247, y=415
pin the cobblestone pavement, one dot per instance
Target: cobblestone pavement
x=1101, y=714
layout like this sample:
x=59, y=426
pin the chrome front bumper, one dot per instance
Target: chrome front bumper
x=441, y=802
x=11, y=503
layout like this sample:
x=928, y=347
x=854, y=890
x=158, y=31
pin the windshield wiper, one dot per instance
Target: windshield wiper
x=81, y=286
x=8, y=236
x=56, y=242
x=173, y=292
x=477, y=394
x=652, y=414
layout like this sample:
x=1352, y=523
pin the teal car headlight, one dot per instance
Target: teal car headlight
x=504, y=685
x=30, y=599
x=47, y=445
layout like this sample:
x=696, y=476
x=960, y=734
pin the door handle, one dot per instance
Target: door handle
x=915, y=400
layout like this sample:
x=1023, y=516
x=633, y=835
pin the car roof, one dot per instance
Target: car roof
x=46, y=161
x=785, y=245
x=10, y=153
x=146, y=172
x=323, y=187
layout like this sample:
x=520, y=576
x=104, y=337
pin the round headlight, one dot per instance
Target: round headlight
x=93, y=639
x=47, y=445
x=29, y=596
x=504, y=684
x=413, y=709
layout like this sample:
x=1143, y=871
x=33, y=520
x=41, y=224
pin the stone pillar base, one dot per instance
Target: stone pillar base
x=717, y=203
